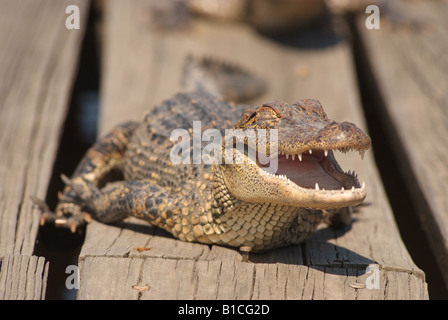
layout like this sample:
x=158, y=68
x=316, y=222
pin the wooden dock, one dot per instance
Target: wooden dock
x=140, y=67
x=38, y=61
x=414, y=112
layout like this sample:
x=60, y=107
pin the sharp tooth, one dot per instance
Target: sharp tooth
x=299, y=156
x=342, y=189
x=326, y=153
x=287, y=156
x=317, y=186
x=362, y=152
x=353, y=189
x=363, y=185
x=310, y=151
x=293, y=156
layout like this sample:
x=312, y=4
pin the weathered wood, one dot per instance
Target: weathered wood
x=410, y=67
x=23, y=277
x=38, y=59
x=157, y=278
x=142, y=66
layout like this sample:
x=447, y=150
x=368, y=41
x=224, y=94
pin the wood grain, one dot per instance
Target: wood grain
x=409, y=67
x=23, y=277
x=38, y=60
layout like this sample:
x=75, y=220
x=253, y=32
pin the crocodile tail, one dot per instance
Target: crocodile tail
x=222, y=79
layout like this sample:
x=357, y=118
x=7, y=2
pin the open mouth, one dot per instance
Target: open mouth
x=312, y=169
x=309, y=179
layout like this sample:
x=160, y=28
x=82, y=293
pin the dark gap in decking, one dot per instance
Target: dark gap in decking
x=388, y=160
x=59, y=245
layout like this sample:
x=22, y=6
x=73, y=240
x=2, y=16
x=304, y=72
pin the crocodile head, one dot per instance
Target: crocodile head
x=298, y=168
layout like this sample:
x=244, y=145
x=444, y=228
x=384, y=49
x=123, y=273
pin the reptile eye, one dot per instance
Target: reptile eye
x=271, y=110
x=251, y=118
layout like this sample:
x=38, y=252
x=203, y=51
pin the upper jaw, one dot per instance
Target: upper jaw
x=299, y=155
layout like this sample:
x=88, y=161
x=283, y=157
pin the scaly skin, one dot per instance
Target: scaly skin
x=243, y=203
x=227, y=204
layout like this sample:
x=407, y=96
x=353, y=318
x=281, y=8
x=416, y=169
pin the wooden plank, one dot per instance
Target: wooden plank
x=23, y=277
x=38, y=61
x=409, y=67
x=156, y=278
x=106, y=283
x=325, y=267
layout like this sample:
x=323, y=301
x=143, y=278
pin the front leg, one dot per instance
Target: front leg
x=100, y=160
x=141, y=199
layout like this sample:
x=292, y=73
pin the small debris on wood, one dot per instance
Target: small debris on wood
x=141, y=287
x=357, y=285
x=140, y=250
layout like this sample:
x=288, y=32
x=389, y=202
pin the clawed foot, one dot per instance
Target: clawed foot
x=68, y=214
x=72, y=222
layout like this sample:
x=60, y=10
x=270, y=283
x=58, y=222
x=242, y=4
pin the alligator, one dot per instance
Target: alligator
x=240, y=203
